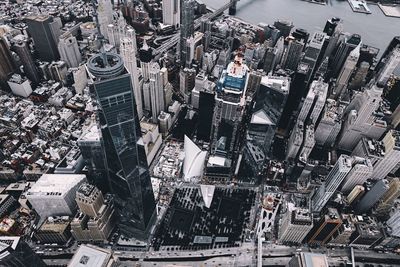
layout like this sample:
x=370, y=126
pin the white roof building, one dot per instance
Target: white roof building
x=91, y=256
x=54, y=194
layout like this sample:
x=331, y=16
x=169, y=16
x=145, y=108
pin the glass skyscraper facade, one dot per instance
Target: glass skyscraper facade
x=267, y=110
x=128, y=173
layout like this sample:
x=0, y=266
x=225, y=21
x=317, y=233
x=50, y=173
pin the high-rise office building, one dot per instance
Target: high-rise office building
x=331, y=25
x=314, y=102
x=89, y=199
x=308, y=142
x=359, y=116
x=296, y=224
x=43, y=34
x=97, y=216
x=347, y=69
x=270, y=101
x=360, y=76
x=128, y=54
x=7, y=65
x=118, y=30
x=92, y=149
x=295, y=140
x=54, y=194
x=145, y=56
x=372, y=196
x=285, y=27
x=370, y=149
x=355, y=194
x=330, y=124
x=325, y=228
x=391, y=141
x=125, y=155
x=171, y=10
x=388, y=199
x=293, y=53
x=20, y=85
x=343, y=235
x=312, y=53
x=334, y=29
x=391, y=67
x=332, y=182
x=69, y=50
x=270, y=59
x=360, y=171
x=343, y=51
x=22, y=49
x=187, y=27
x=105, y=15
x=229, y=105
x=394, y=222
x=156, y=91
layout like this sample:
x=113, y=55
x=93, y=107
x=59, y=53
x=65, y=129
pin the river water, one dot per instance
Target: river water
x=375, y=29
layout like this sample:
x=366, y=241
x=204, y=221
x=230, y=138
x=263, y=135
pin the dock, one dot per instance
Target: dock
x=390, y=10
x=359, y=6
x=319, y=2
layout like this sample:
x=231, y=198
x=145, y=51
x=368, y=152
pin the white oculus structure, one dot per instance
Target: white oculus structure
x=194, y=160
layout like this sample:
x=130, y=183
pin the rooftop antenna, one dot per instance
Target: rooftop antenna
x=100, y=36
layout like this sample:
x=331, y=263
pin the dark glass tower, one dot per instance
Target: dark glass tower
x=22, y=50
x=187, y=26
x=41, y=30
x=125, y=155
x=270, y=101
x=6, y=63
x=343, y=52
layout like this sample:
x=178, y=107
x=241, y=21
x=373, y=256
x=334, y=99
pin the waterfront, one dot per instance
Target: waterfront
x=376, y=29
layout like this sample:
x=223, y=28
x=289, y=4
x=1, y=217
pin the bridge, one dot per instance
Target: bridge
x=174, y=38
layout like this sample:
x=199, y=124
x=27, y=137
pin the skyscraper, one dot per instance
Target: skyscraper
x=270, y=101
x=125, y=155
x=359, y=116
x=229, y=106
x=326, y=227
x=69, y=50
x=105, y=15
x=171, y=12
x=343, y=51
x=390, y=196
x=42, y=32
x=360, y=171
x=128, y=53
x=293, y=53
x=285, y=27
x=331, y=25
x=30, y=69
x=187, y=27
x=145, y=56
x=347, y=69
x=296, y=223
x=330, y=124
x=372, y=196
x=331, y=184
x=391, y=141
x=7, y=65
x=312, y=53
x=392, y=66
x=156, y=91
x=314, y=102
